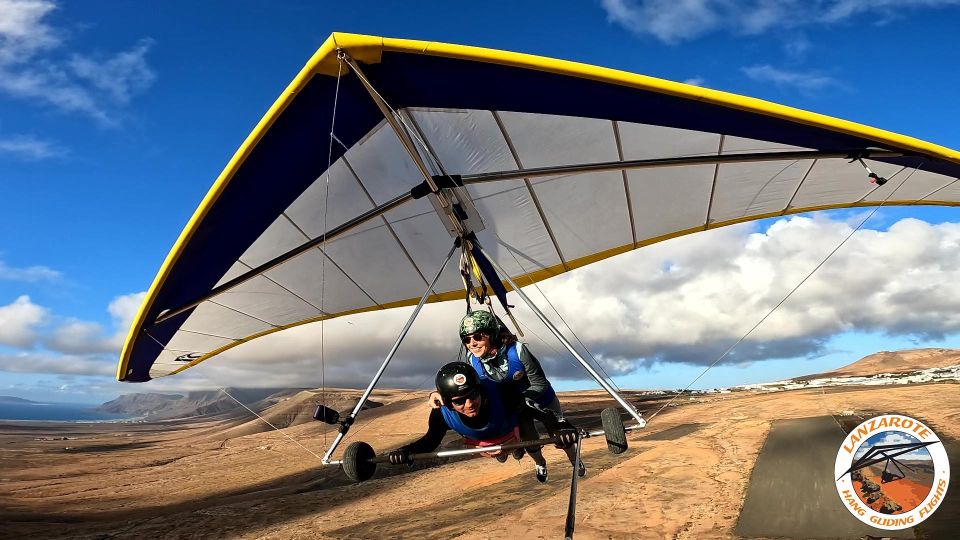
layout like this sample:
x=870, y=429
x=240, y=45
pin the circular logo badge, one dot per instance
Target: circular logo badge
x=892, y=472
x=459, y=378
x=518, y=375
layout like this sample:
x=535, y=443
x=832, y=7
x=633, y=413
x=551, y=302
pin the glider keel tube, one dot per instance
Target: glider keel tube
x=348, y=421
x=393, y=119
x=556, y=332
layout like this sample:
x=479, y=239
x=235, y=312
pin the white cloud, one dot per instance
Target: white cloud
x=681, y=301
x=31, y=274
x=806, y=81
x=84, y=337
x=57, y=364
x=122, y=76
x=673, y=21
x=797, y=46
x=895, y=437
x=30, y=148
x=19, y=321
x=124, y=308
x=72, y=348
x=67, y=338
x=31, y=68
x=80, y=337
x=695, y=81
x=898, y=281
x=22, y=30
x=667, y=20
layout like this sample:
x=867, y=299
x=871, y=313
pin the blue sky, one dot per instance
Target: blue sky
x=115, y=118
x=894, y=437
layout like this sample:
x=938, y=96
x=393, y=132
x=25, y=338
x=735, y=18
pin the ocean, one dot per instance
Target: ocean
x=63, y=412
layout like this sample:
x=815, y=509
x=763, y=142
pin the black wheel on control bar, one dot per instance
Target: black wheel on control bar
x=613, y=430
x=358, y=461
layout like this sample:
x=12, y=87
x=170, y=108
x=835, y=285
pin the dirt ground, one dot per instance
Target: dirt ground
x=686, y=475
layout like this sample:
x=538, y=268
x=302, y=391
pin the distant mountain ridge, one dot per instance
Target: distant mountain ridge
x=156, y=406
x=8, y=400
x=897, y=362
x=285, y=407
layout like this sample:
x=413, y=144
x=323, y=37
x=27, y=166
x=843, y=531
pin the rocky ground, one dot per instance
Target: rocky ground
x=685, y=476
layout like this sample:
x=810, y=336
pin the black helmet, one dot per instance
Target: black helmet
x=457, y=379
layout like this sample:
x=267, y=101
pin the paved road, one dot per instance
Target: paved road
x=792, y=493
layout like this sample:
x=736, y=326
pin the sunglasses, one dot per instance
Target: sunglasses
x=462, y=400
x=476, y=336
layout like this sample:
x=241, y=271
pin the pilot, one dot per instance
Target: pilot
x=484, y=413
x=497, y=356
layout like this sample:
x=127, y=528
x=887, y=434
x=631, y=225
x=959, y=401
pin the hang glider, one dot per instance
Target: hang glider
x=887, y=454
x=552, y=165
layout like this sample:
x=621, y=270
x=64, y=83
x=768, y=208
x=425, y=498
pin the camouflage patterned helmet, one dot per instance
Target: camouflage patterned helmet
x=480, y=321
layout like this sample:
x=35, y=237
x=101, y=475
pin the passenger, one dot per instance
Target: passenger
x=484, y=413
x=497, y=356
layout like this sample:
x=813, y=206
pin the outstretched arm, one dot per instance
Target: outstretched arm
x=436, y=429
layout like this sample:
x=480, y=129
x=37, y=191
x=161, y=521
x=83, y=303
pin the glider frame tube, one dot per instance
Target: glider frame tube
x=582, y=168
x=556, y=332
x=347, y=422
x=572, y=502
x=280, y=259
x=513, y=175
x=384, y=458
x=393, y=119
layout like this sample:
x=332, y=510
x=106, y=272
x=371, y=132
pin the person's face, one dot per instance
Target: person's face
x=468, y=404
x=479, y=344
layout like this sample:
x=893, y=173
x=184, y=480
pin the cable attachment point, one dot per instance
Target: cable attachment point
x=330, y=416
x=874, y=177
x=441, y=181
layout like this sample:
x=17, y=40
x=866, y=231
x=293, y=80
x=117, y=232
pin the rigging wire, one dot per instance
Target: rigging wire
x=323, y=246
x=357, y=428
x=543, y=342
x=608, y=378
x=282, y=432
x=412, y=133
x=784, y=299
x=459, y=355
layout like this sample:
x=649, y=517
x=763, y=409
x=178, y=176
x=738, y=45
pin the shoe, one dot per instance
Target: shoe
x=518, y=454
x=541, y=473
x=581, y=471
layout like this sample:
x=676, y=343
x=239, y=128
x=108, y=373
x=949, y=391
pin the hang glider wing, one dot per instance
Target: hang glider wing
x=566, y=164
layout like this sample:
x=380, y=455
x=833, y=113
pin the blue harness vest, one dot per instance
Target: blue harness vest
x=500, y=422
x=515, y=375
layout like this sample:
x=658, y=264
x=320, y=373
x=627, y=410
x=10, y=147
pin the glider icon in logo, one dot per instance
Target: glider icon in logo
x=892, y=472
x=189, y=357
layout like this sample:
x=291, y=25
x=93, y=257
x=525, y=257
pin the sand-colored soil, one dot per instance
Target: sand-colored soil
x=685, y=476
